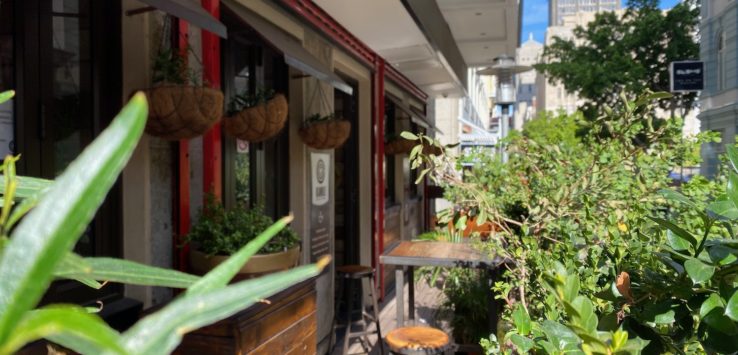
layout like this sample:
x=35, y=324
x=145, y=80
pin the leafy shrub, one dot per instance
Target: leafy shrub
x=223, y=232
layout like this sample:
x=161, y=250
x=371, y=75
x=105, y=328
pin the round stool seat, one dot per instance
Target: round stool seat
x=418, y=340
x=354, y=271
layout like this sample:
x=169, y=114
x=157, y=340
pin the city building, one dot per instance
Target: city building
x=719, y=99
x=528, y=54
x=558, y=9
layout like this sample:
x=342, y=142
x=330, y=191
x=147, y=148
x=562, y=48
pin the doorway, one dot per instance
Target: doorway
x=347, y=180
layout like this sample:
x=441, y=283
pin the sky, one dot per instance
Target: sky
x=535, y=17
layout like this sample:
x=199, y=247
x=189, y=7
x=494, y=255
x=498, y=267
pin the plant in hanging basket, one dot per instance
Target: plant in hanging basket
x=177, y=108
x=256, y=117
x=397, y=145
x=325, y=132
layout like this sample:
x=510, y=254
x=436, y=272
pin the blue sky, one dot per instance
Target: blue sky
x=535, y=17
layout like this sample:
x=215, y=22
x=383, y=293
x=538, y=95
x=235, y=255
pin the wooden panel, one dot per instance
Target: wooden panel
x=263, y=330
x=196, y=344
x=299, y=337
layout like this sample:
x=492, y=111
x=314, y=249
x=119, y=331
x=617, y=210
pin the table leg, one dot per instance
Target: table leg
x=411, y=294
x=400, y=295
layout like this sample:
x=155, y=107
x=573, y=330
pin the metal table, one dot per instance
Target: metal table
x=410, y=254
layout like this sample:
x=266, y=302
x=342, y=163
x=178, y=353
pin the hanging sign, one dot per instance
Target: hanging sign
x=320, y=213
x=687, y=76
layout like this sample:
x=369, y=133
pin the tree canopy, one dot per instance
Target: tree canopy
x=628, y=54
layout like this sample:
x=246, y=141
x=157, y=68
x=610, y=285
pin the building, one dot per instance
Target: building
x=528, y=54
x=719, y=99
x=74, y=63
x=558, y=9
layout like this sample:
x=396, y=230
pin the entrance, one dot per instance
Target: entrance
x=347, y=184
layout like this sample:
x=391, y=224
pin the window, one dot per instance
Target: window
x=389, y=159
x=720, y=61
x=254, y=173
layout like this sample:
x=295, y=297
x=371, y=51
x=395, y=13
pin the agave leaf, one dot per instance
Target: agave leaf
x=124, y=271
x=43, y=238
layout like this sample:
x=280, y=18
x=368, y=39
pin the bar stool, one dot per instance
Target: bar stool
x=418, y=340
x=350, y=274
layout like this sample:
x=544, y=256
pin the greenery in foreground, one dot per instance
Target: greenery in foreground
x=39, y=249
x=608, y=257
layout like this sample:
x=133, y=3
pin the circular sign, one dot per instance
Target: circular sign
x=320, y=171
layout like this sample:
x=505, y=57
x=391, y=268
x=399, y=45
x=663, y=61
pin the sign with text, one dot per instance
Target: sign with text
x=687, y=76
x=320, y=212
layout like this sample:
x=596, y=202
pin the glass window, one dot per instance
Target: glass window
x=720, y=61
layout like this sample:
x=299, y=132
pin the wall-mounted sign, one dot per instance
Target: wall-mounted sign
x=320, y=209
x=687, y=76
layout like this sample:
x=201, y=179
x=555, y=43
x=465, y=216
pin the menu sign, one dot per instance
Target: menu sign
x=320, y=213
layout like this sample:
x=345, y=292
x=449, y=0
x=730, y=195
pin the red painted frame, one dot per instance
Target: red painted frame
x=212, y=142
x=183, y=196
x=378, y=177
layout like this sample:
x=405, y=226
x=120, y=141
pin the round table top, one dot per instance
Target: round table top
x=417, y=338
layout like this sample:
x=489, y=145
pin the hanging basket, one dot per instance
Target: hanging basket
x=258, y=123
x=430, y=149
x=398, y=146
x=328, y=134
x=181, y=111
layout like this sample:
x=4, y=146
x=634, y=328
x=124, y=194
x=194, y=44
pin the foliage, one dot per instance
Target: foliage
x=629, y=54
x=170, y=67
x=553, y=129
x=587, y=207
x=223, y=232
x=248, y=99
x=316, y=117
x=39, y=249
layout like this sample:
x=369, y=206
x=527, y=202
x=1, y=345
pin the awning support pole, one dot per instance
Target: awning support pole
x=212, y=140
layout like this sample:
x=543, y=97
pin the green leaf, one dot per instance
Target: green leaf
x=6, y=95
x=676, y=197
x=698, y=271
x=223, y=273
x=731, y=310
x=711, y=303
x=75, y=262
x=49, y=231
x=28, y=186
x=125, y=271
x=160, y=332
x=70, y=326
x=678, y=231
x=725, y=210
x=722, y=255
x=521, y=319
x=571, y=287
x=587, y=318
x=676, y=242
x=560, y=336
x=732, y=153
x=522, y=343
x=409, y=136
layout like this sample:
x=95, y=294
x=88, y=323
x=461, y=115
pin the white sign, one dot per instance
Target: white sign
x=320, y=164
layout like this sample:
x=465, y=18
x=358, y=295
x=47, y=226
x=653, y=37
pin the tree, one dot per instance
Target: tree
x=627, y=54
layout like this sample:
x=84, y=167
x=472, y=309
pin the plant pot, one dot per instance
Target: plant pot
x=328, y=134
x=181, y=111
x=259, y=264
x=258, y=123
x=399, y=146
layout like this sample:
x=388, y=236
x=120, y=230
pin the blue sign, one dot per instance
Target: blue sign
x=687, y=76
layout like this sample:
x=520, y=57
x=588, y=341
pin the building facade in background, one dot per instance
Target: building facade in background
x=719, y=99
x=528, y=54
x=557, y=9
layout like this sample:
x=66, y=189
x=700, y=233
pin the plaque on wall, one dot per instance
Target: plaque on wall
x=320, y=213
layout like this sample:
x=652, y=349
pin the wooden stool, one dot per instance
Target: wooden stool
x=350, y=274
x=418, y=340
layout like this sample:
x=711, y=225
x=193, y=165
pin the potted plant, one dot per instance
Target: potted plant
x=219, y=232
x=256, y=117
x=178, y=107
x=325, y=131
x=395, y=144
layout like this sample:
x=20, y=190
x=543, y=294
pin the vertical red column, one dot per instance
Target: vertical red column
x=212, y=140
x=379, y=169
x=183, y=196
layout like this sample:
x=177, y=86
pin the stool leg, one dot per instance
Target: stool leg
x=337, y=310
x=380, y=340
x=349, y=310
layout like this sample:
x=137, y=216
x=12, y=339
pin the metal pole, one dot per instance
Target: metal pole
x=505, y=126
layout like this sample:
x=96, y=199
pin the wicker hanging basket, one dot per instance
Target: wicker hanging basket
x=429, y=149
x=398, y=146
x=328, y=134
x=182, y=111
x=258, y=123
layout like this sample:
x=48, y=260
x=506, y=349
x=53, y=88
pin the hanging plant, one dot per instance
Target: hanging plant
x=401, y=145
x=179, y=106
x=324, y=131
x=256, y=117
